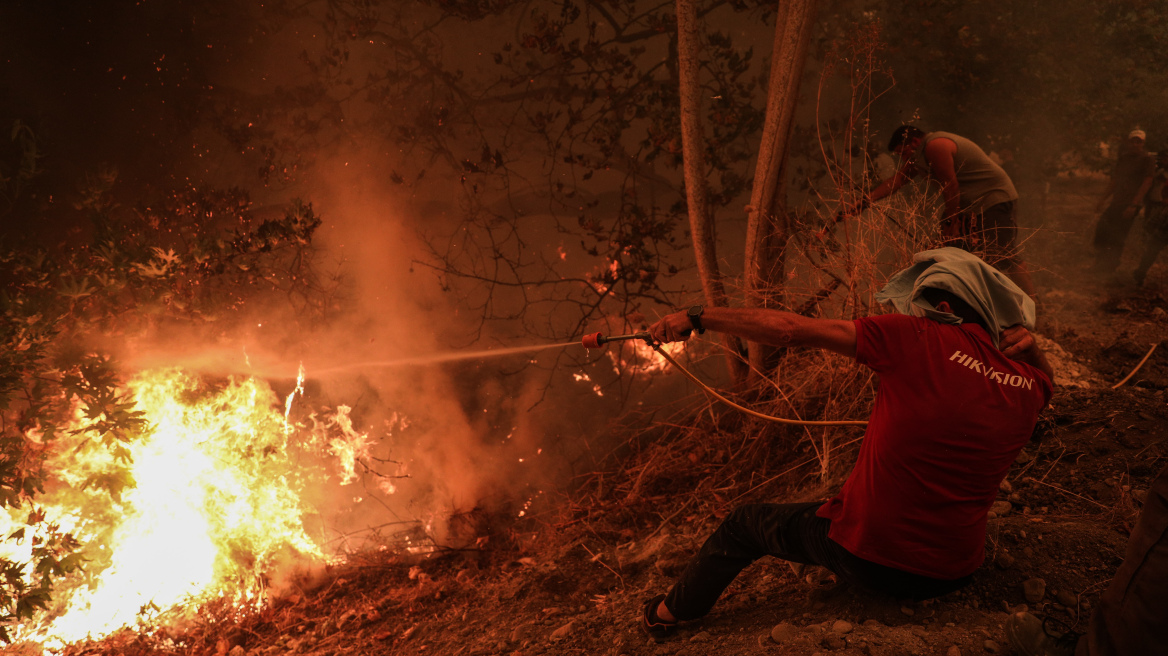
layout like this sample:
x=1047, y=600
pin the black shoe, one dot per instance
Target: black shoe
x=1030, y=636
x=657, y=628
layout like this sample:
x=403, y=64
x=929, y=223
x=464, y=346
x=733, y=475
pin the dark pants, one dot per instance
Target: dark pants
x=1156, y=229
x=1111, y=234
x=791, y=532
x=991, y=234
x=1132, y=618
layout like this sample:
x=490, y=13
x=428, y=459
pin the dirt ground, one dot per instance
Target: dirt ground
x=1055, y=539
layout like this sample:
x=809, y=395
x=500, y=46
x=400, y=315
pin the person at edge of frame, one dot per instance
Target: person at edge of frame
x=1130, y=618
x=1155, y=219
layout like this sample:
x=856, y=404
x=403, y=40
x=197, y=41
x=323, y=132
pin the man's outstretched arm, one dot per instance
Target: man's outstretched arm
x=1138, y=200
x=904, y=173
x=773, y=327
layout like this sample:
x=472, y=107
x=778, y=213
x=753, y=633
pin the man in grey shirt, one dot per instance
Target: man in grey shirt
x=979, y=196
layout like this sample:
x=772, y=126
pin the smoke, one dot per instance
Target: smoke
x=443, y=438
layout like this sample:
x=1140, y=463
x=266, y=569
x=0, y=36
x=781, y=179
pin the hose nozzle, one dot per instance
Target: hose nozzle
x=596, y=340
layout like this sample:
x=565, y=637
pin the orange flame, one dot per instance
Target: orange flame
x=213, y=504
x=642, y=359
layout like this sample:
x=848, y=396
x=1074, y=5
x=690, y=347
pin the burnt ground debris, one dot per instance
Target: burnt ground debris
x=571, y=579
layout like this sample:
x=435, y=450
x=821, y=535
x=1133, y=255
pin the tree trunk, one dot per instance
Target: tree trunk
x=701, y=221
x=767, y=226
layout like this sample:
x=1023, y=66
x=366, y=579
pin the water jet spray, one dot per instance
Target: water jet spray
x=589, y=341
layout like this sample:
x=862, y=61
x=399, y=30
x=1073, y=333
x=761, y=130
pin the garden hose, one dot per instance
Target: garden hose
x=1133, y=371
x=596, y=340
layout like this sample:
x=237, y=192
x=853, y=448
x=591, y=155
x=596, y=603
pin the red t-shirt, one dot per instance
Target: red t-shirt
x=951, y=415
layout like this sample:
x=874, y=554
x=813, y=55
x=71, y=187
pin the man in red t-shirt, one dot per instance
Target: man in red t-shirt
x=951, y=414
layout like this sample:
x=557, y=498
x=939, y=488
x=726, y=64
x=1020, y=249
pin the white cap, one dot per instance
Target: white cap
x=1137, y=134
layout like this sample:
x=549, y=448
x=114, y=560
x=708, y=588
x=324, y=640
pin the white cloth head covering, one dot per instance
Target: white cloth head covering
x=988, y=291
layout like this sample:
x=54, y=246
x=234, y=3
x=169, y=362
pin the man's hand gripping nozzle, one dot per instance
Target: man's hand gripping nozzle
x=596, y=340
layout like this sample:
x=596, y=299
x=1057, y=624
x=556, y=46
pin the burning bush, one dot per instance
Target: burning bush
x=79, y=445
